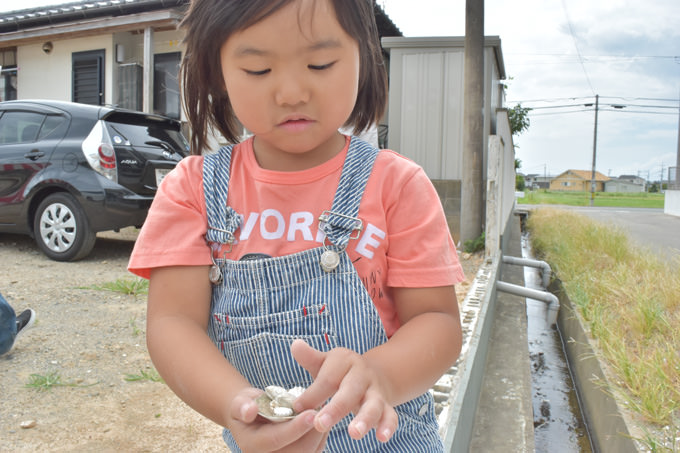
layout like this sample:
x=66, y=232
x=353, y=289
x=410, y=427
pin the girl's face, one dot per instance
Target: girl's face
x=292, y=79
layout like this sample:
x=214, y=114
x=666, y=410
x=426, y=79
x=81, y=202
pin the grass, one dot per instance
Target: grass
x=143, y=375
x=136, y=331
x=629, y=300
x=602, y=199
x=475, y=245
x=48, y=381
x=127, y=286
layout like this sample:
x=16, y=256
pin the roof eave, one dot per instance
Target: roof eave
x=154, y=19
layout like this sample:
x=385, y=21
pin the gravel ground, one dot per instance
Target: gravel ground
x=92, y=341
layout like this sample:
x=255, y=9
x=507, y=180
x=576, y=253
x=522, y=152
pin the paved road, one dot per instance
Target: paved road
x=649, y=228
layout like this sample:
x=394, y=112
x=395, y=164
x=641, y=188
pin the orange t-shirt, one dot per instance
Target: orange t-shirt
x=405, y=241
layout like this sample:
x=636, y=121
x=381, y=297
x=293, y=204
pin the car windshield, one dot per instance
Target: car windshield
x=138, y=130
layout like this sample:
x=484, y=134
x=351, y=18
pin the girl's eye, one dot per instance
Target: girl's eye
x=320, y=67
x=257, y=73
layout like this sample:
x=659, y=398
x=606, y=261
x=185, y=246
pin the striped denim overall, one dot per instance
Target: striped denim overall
x=260, y=306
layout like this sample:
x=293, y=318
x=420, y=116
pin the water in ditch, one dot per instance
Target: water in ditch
x=558, y=424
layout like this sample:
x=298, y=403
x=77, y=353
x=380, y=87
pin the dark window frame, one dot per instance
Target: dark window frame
x=88, y=68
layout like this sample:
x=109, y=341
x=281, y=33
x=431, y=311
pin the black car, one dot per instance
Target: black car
x=69, y=170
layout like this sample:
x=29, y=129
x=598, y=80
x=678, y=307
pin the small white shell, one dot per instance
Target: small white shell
x=296, y=391
x=273, y=391
x=282, y=411
x=284, y=400
x=276, y=403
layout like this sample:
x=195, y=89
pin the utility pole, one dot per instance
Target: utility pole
x=472, y=188
x=592, y=179
x=677, y=163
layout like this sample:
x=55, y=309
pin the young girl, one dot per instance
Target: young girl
x=300, y=256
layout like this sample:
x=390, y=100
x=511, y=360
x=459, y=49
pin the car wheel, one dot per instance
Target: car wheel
x=61, y=228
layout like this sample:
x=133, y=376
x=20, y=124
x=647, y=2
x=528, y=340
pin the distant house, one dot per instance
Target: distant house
x=536, y=181
x=626, y=183
x=578, y=181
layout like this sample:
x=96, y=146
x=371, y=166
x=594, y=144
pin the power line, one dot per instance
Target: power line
x=559, y=113
x=578, y=51
x=624, y=98
x=613, y=106
x=612, y=57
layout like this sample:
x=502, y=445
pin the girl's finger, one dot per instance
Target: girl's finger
x=387, y=425
x=349, y=396
x=243, y=407
x=328, y=379
x=322, y=443
x=308, y=357
x=280, y=436
x=367, y=417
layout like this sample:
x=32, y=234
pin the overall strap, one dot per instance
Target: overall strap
x=223, y=221
x=341, y=221
x=338, y=224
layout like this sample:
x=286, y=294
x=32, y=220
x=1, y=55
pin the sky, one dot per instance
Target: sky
x=564, y=52
x=561, y=53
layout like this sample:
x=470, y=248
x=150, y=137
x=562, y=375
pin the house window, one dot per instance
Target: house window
x=8, y=74
x=166, y=84
x=130, y=86
x=88, y=77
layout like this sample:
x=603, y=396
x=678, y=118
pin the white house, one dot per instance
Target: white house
x=123, y=52
x=626, y=183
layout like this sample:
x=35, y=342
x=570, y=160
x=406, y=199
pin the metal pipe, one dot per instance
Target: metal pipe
x=546, y=271
x=545, y=296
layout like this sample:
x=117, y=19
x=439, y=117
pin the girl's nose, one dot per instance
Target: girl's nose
x=291, y=89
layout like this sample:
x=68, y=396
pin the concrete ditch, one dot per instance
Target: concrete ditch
x=489, y=408
x=607, y=425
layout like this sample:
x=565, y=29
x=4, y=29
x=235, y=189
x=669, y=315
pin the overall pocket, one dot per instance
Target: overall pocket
x=259, y=347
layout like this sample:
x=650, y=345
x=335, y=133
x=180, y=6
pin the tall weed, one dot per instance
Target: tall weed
x=628, y=297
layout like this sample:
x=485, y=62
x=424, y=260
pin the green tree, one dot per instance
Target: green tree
x=519, y=119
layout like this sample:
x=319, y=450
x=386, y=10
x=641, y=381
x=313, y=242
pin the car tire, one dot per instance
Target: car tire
x=61, y=228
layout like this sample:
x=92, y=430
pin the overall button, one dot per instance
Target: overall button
x=329, y=260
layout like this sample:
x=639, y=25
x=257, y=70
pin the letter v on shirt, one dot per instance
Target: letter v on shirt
x=272, y=225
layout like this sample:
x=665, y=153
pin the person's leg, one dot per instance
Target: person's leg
x=8, y=326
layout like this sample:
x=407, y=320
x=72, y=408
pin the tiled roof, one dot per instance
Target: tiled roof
x=87, y=9
x=585, y=174
x=80, y=10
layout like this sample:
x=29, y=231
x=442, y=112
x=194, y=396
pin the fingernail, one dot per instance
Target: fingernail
x=324, y=421
x=309, y=419
x=360, y=428
x=386, y=434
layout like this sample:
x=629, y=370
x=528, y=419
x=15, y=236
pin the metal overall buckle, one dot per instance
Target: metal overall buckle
x=330, y=258
x=215, y=274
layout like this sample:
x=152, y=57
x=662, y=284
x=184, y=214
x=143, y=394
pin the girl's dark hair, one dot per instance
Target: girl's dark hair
x=208, y=24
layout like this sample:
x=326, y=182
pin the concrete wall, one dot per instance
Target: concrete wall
x=449, y=193
x=671, y=204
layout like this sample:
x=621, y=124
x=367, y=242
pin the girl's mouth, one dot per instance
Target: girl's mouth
x=296, y=124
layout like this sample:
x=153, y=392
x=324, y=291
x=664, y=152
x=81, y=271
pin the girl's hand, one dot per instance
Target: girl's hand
x=256, y=434
x=352, y=385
